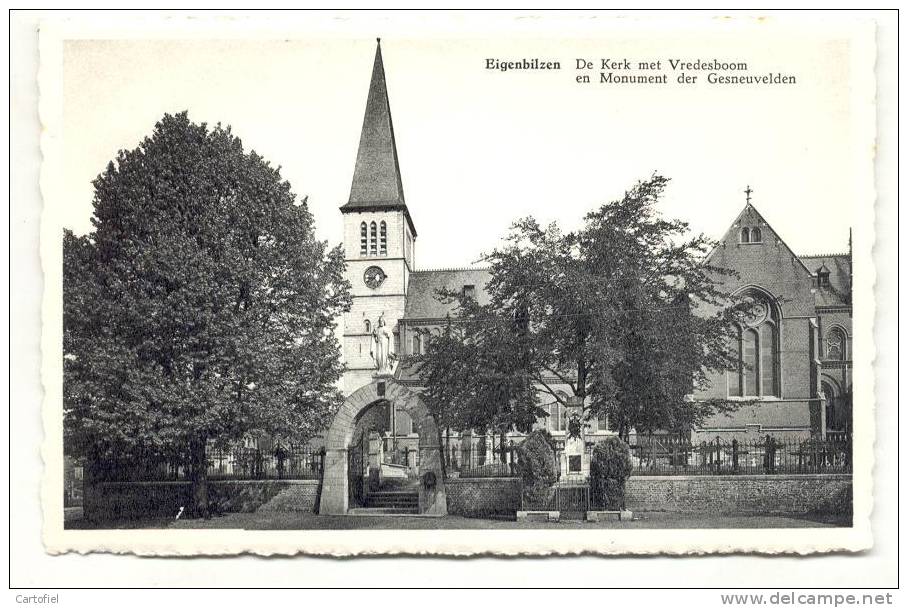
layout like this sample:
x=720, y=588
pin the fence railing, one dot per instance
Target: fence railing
x=483, y=457
x=72, y=487
x=571, y=496
x=239, y=463
x=839, y=436
x=253, y=463
x=490, y=457
x=768, y=456
x=675, y=455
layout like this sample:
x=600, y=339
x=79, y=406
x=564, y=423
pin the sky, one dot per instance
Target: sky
x=479, y=148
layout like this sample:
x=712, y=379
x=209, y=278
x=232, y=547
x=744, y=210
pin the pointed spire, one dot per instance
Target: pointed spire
x=376, y=177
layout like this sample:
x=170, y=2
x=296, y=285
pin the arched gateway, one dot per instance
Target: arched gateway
x=335, y=499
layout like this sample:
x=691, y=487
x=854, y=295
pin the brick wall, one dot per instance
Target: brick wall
x=483, y=497
x=741, y=494
x=128, y=500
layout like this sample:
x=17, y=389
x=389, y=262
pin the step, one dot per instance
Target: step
x=394, y=483
x=405, y=497
x=382, y=511
x=392, y=499
x=391, y=503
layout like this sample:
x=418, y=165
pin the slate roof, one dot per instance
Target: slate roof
x=422, y=301
x=376, y=177
x=838, y=292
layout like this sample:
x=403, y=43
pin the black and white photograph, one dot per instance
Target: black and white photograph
x=539, y=287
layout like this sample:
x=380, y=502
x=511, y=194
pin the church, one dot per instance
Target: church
x=795, y=354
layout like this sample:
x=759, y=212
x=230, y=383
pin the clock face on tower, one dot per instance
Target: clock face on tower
x=374, y=277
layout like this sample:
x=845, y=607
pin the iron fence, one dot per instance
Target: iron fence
x=482, y=456
x=254, y=463
x=237, y=463
x=488, y=456
x=72, y=487
x=662, y=455
x=571, y=496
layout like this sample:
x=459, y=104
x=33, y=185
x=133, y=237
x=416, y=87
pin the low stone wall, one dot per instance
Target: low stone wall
x=741, y=494
x=708, y=494
x=134, y=499
x=492, y=497
x=483, y=496
x=298, y=496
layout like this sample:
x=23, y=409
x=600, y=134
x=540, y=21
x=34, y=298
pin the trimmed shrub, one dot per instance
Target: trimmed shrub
x=537, y=470
x=609, y=469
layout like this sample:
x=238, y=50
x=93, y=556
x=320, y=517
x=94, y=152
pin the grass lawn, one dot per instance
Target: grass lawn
x=308, y=521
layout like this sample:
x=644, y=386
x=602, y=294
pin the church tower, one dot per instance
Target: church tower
x=379, y=236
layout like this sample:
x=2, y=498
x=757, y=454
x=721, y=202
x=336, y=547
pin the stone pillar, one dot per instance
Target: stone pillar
x=466, y=450
x=376, y=456
x=411, y=459
x=432, y=500
x=335, y=499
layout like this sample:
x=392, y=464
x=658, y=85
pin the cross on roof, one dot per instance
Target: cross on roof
x=748, y=192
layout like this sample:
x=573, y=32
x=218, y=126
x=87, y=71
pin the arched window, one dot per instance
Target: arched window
x=835, y=344
x=373, y=239
x=745, y=235
x=367, y=326
x=757, y=350
x=756, y=235
x=363, y=239
x=383, y=240
x=417, y=344
x=768, y=360
x=751, y=362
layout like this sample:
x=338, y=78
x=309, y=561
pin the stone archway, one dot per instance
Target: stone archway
x=335, y=499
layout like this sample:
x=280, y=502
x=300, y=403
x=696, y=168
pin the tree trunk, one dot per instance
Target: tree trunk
x=198, y=467
x=444, y=457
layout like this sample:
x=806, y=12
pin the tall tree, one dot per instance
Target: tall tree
x=623, y=313
x=200, y=307
x=474, y=374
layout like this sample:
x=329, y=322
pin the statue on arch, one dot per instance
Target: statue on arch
x=382, y=348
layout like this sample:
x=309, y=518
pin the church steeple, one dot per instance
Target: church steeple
x=376, y=177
